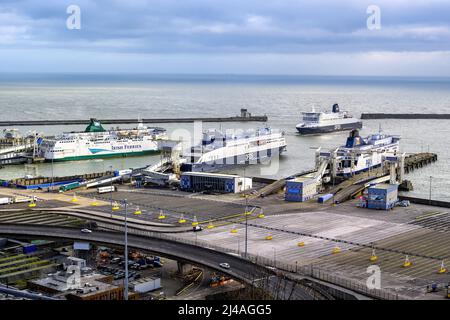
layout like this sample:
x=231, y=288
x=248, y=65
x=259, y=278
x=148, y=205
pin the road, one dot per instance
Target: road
x=241, y=269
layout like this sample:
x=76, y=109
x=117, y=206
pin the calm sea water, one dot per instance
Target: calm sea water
x=32, y=97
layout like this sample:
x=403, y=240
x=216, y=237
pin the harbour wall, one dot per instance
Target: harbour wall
x=436, y=203
x=6, y=123
x=371, y=116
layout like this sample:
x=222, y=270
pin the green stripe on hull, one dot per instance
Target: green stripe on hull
x=109, y=155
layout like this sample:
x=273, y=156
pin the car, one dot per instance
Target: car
x=197, y=228
x=86, y=230
x=224, y=265
x=403, y=203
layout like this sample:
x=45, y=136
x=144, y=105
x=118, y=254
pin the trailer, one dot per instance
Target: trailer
x=21, y=199
x=69, y=186
x=6, y=200
x=107, y=189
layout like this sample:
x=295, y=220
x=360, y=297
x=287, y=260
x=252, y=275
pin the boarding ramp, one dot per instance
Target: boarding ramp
x=15, y=149
x=155, y=173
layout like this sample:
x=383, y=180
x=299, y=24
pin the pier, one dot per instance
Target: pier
x=419, y=160
x=245, y=116
x=373, y=116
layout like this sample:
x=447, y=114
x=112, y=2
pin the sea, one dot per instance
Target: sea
x=281, y=98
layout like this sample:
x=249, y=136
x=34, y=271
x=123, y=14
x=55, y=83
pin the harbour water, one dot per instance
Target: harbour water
x=33, y=97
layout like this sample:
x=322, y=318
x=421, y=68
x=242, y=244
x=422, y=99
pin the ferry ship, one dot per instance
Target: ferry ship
x=218, y=150
x=360, y=154
x=96, y=142
x=324, y=122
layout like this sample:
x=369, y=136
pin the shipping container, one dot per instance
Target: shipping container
x=29, y=248
x=325, y=198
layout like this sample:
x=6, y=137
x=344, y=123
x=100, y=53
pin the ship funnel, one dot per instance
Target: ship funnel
x=335, y=108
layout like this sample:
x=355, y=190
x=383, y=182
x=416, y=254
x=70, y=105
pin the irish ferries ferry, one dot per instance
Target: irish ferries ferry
x=96, y=142
x=324, y=122
x=360, y=154
x=218, y=150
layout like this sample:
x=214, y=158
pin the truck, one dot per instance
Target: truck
x=106, y=189
x=69, y=186
x=21, y=199
x=6, y=200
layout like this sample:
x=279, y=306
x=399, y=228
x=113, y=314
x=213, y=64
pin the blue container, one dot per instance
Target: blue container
x=29, y=248
x=325, y=198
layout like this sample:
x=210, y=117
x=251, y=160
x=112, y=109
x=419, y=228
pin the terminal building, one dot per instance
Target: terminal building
x=214, y=182
x=300, y=189
x=382, y=196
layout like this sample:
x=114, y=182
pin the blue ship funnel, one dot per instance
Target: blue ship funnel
x=335, y=108
x=354, y=139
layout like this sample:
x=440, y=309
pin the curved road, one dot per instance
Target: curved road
x=241, y=269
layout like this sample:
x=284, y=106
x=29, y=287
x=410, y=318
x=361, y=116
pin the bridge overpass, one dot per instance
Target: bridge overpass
x=241, y=269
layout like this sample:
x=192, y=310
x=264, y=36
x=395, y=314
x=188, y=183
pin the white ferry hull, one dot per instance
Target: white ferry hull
x=255, y=157
x=329, y=128
x=82, y=151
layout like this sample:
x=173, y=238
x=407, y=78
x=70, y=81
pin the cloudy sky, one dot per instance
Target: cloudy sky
x=320, y=37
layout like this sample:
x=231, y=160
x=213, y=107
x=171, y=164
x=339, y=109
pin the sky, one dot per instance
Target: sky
x=293, y=37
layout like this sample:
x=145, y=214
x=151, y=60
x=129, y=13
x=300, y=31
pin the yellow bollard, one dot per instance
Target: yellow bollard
x=32, y=204
x=336, y=250
x=234, y=230
x=182, y=219
x=115, y=206
x=161, y=215
x=94, y=203
x=269, y=238
x=442, y=269
x=137, y=211
x=407, y=263
x=210, y=225
x=195, y=222
x=301, y=244
x=373, y=257
x=247, y=213
x=74, y=198
x=261, y=215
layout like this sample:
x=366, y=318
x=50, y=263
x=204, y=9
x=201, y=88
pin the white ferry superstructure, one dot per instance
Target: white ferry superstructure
x=218, y=150
x=96, y=142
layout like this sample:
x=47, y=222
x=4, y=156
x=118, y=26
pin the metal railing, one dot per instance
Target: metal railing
x=309, y=270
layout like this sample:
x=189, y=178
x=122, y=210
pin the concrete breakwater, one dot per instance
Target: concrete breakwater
x=371, y=116
x=133, y=121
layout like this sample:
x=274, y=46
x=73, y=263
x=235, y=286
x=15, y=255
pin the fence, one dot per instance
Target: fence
x=310, y=270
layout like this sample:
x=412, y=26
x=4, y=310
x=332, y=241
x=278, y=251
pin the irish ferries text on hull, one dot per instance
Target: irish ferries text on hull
x=219, y=150
x=96, y=142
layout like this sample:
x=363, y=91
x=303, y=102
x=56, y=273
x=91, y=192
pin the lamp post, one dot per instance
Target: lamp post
x=246, y=219
x=126, y=252
x=274, y=257
x=52, y=175
x=430, y=188
x=111, y=192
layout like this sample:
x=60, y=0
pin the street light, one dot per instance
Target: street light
x=111, y=191
x=52, y=173
x=246, y=218
x=126, y=251
x=274, y=256
x=430, y=188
